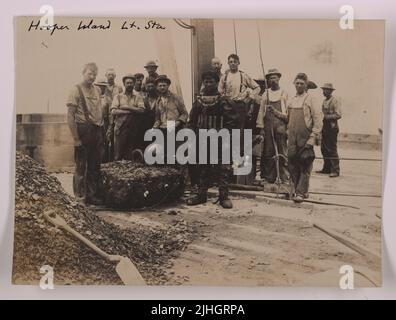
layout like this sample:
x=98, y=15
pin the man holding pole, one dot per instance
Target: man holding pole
x=272, y=120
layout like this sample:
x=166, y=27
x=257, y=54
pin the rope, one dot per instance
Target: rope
x=261, y=59
x=235, y=38
x=333, y=158
x=347, y=194
x=192, y=65
x=278, y=181
x=349, y=159
x=182, y=24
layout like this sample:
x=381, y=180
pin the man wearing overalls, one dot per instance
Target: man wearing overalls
x=272, y=120
x=304, y=127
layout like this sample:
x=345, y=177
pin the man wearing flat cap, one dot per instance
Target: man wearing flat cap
x=331, y=108
x=272, y=120
x=125, y=109
x=169, y=108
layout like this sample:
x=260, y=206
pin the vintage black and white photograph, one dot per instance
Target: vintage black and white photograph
x=221, y=152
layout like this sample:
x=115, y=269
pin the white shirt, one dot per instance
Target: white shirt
x=233, y=84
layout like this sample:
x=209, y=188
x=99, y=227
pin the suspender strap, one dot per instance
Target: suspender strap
x=225, y=81
x=84, y=104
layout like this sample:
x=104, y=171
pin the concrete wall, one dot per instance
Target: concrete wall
x=47, y=139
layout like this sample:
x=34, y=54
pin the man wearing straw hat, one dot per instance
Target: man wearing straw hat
x=272, y=120
x=331, y=108
x=152, y=75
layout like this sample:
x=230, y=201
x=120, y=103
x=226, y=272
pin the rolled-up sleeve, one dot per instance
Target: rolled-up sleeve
x=140, y=103
x=73, y=98
x=261, y=114
x=335, y=110
x=253, y=87
x=317, y=120
x=115, y=104
x=183, y=114
x=221, y=86
x=157, y=122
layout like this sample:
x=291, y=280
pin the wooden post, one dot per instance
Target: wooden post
x=203, y=49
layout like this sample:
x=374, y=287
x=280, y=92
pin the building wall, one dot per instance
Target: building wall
x=47, y=139
x=351, y=59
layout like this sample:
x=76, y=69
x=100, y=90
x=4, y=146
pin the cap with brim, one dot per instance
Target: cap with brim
x=273, y=72
x=101, y=82
x=128, y=76
x=328, y=86
x=162, y=78
x=151, y=64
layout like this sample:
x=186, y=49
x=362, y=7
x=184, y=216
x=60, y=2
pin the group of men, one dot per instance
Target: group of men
x=288, y=126
x=108, y=123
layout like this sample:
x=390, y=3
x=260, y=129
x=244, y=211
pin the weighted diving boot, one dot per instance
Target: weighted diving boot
x=198, y=198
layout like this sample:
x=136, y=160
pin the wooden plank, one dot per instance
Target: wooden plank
x=349, y=243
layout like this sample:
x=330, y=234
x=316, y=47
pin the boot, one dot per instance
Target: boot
x=334, y=175
x=298, y=198
x=225, y=202
x=198, y=198
x=323, y=171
